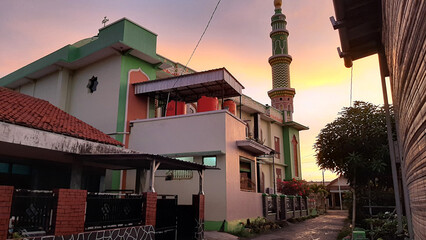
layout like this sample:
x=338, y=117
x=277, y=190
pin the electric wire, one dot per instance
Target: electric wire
x=350, y=100
x=193, y=52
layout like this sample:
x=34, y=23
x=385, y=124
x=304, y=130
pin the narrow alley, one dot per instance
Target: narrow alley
x=324, y=227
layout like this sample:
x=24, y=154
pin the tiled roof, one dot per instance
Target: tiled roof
x=20, y=109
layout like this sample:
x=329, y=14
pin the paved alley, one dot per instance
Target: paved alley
x=324, y=227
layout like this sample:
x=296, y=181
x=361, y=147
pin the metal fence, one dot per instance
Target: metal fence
x=31, y=212
x=106, y=210
x=272, y=204
x=289, y=204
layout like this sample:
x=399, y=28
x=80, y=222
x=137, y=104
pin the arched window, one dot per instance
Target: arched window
x=295, y=156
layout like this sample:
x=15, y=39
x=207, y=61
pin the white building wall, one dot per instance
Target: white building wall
x=99, y=108
x=214, y=189
x=200, y=132
x=240, y=204
x=43, y=88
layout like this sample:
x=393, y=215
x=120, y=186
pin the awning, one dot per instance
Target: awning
x=254, y=147
x=190, y=87
x=295, y=125
x=138, y=161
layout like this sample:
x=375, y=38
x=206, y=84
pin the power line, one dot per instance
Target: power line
x=202, y=35
x=352, y=71
x=193, y=52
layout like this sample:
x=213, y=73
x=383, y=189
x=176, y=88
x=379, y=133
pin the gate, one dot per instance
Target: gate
x=186, y=222
x=31, y=212
x=166, y=222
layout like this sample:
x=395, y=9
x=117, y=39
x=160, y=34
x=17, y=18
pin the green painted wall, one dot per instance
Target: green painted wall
x=287, y=154
x=288, y=133
x=140, y=38
x=128, y=62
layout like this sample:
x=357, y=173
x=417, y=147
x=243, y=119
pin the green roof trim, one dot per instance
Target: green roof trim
x=122, y=31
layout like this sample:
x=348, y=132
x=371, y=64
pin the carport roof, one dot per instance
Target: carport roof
x=139, y=161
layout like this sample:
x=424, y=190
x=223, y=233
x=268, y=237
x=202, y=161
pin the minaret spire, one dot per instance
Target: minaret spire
x=281, y=94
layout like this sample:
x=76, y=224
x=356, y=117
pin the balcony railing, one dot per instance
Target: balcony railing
x=31, y=213
x=113, y=210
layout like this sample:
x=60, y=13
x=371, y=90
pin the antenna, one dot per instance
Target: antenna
x=105, y=20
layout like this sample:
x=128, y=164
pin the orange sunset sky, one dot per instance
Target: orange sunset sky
x=238, y=39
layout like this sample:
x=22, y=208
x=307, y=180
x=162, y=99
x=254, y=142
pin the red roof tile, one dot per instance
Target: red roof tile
x=20, y=109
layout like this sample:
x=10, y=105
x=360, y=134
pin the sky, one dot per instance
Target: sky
x=237, y=39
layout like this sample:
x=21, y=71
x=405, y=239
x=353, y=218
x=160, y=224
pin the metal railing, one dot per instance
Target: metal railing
x=289, y=204
x=297, y=204
x=106, y=210
x=272, y=204
x=31, y=212
x=179, y=175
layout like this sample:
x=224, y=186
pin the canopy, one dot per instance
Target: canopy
x=190, y=87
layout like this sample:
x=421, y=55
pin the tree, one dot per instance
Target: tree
x=355, y=145
x=318, y=192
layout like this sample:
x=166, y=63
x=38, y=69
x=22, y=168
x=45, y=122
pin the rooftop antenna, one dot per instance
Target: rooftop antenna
x=105, y=20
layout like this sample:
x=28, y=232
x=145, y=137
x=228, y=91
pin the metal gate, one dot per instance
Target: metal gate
x=166, y=222
x=31, y=212
x=186, y=222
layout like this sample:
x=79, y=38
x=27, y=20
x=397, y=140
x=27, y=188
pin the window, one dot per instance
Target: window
x=180, y=174
x=4, y=168
x=247, y=175
x=210, y=161
x=277, y=147
x=15, y=169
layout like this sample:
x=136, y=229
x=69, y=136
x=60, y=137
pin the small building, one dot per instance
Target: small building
x=52, y=178
x=337, y=188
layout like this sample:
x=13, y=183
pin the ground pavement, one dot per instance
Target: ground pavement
x=324, y=227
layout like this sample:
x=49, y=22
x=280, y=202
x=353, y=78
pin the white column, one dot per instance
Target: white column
x=62, y=88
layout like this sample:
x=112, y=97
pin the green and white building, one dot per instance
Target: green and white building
x=118, y=83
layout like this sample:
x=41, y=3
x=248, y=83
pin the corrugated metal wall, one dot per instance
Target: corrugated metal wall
x=404, y=34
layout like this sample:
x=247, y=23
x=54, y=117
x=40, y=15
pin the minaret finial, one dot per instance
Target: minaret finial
x=278, y=3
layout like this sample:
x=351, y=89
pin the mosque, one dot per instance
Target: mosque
x=118, y=83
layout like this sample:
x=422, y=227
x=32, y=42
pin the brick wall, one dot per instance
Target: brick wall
x=6, y=194
x=70, y=211
x=198, y=203
x=150, y=208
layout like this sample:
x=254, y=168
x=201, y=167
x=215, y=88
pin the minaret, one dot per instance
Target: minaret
x=281, y=94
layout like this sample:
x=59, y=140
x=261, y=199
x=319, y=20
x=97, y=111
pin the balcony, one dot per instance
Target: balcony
x=254, y=147
x=197, y=134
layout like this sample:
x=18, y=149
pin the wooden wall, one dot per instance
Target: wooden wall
x=403, y=36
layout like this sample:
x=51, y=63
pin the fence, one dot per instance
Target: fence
x=31, y=212
x=70, y=212
x=113, y=210
x=284, y=207
x=272, y=204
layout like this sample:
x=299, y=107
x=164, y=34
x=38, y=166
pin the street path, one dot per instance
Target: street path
x=324, y=227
